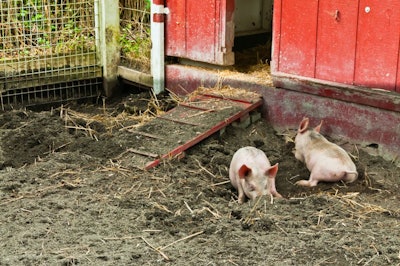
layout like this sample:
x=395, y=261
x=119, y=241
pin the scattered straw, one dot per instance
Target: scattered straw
x=116, y=168
x=63, y=173
x=179, y=240
x=174, y=97
x=280, y=228
x=204, y=169
x=81, y=122
x=215, y=213
x=220, y=183
x=121, y=238
x=349, y=200
x=11, y=200
x=155, y=249
x=53, y=150
x=259, y=73
x=226, y=92
x=288, y=135
x=249, y=219
x=187, y=206
x=69, y=184
x=161, y=207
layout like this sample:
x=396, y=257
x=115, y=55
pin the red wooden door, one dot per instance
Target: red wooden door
x=201, y=30
x=377, y=53
x=336, y=40
x=398, y=74
x=296, y=32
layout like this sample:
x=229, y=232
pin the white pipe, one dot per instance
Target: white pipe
x=158, y=12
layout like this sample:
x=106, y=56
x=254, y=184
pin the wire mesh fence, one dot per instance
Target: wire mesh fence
x=135, y=34
x=48, y=51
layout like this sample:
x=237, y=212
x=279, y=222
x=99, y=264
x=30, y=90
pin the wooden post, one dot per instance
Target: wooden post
x=109, y=44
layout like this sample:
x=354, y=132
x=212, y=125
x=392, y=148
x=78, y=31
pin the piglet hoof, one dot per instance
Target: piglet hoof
x=276, y=195
x=305, y=183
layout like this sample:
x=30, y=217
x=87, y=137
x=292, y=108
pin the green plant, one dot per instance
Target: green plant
x=148, y=5
x=35, y=27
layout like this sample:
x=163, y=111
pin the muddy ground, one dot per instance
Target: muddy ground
x=67, y=197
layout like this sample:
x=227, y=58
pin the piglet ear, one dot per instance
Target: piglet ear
x=244, y=171
x=272, y=171
x=303, y=125
x=318, y=128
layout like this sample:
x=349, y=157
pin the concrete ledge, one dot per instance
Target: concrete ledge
x=374, y=97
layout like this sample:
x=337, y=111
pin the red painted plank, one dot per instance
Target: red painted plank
x=378, y=43
x=298, y=37
x=242, y=101
x=215, y=128
x=336, y=40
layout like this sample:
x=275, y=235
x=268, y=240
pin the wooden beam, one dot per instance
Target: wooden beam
x=135, y=76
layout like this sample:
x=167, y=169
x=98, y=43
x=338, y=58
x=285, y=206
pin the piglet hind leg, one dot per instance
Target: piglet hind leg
x=312, y=182
x=350, y=176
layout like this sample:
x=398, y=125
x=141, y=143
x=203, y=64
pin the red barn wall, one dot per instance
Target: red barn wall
x=349, y=42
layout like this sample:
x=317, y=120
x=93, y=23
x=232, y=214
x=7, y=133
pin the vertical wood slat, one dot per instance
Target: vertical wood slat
x=378, y=44
x=298, y=33
x=336, y=40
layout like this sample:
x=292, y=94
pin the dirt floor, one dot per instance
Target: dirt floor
x=68, y=197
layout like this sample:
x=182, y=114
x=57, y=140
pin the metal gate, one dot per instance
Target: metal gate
x=135, y=42
x=135, y=34
x=48, y=51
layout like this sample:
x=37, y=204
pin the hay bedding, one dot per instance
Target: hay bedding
x=67, y=197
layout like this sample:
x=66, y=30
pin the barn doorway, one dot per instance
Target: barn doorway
x=253, y=33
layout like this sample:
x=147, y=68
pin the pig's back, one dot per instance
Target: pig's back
x=331, y=154
x=251, y=157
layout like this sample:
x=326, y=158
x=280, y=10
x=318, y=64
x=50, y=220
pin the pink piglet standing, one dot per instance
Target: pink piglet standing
x=252, y=175
x=325, y=160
